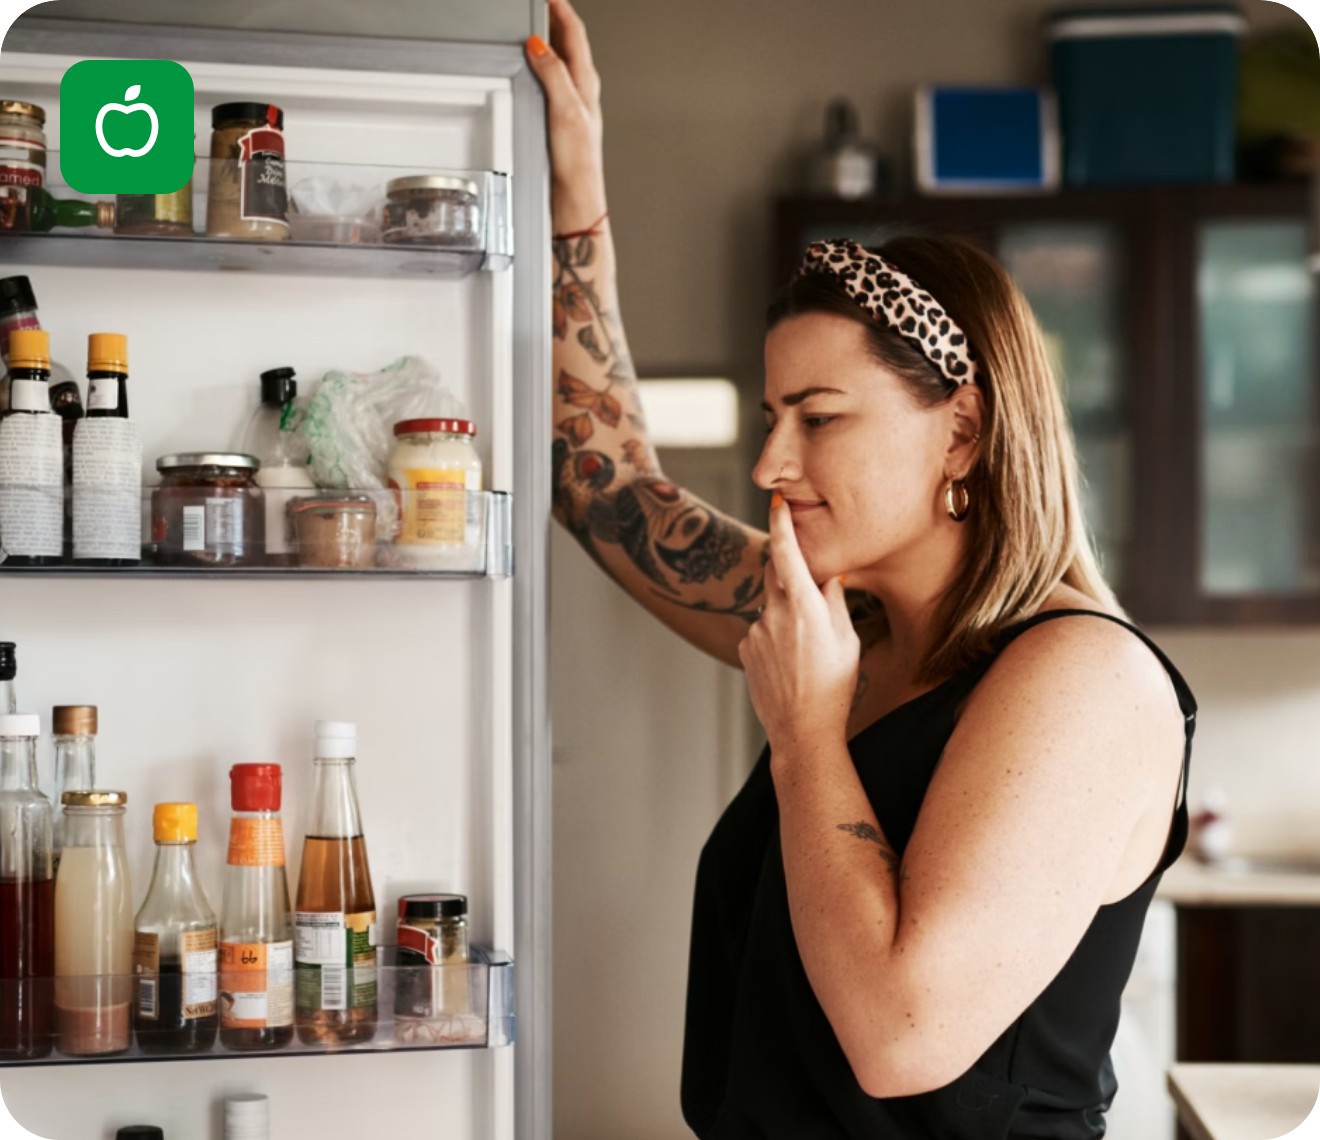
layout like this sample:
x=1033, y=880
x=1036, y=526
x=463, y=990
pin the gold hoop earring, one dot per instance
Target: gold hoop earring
x=957, y=488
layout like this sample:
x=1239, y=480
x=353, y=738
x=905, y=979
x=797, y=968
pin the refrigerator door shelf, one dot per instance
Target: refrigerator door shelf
x=470, y=1006
x=334, y=536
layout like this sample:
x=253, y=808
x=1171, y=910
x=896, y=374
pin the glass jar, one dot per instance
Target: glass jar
x=432, y=936
x=433, y=209
x=93, y=928
x=335, y=532
x=435, y=472
x=248, y=197
x=22, y=159
x=208, y=510
x=155, y=215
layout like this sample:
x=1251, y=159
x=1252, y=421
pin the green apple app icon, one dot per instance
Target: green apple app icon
x=126, y=126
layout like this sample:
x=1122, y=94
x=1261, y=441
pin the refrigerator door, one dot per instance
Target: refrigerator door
x=445, y=679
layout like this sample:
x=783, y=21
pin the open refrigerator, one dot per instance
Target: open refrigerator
x=194, y=670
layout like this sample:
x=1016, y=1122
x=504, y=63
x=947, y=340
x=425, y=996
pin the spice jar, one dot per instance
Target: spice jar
x=432, y=209
x=432, y=939
x=435, y=472
x=22, y=159
x=247, y=198
x=208, y=510
x=335, y=532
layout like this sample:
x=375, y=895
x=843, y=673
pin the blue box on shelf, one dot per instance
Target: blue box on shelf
x=986, y=140
x=1146, y=95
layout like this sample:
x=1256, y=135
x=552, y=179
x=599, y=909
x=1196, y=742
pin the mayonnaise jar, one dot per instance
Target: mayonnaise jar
x=434, y=470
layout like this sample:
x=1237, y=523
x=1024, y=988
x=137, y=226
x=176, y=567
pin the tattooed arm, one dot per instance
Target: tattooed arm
x=698, y=570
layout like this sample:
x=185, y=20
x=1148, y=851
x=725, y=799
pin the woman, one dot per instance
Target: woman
x=917, y=917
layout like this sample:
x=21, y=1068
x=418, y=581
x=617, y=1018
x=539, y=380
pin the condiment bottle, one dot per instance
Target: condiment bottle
x=31, y=458
x=247, y=1117
x=93, y=928
x=27, y=895
x=74, y=728
x=174, y=952
x=107, y=462
x=336, y=946
x=248, y=197
x=8, y=673
x=256, y=922
x=432, y=941
x=283, y=475
x=434, y=471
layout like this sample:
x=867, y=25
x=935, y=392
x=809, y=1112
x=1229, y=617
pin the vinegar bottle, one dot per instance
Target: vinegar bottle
x=74, y=727
x=336, y=939
x=256, y=923
x=27, y=896
x=174, y=947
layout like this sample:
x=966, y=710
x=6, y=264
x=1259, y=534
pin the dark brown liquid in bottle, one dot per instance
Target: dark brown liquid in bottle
x=27, y=964
x=335, y=878
x=170, y=1031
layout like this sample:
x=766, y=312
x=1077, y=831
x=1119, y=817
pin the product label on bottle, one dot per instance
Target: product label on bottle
x=17, y=174
x=336, y=956
x=107, y=489
x=262, y=195
x=256, y=842
x=31, y=484
x=146, y=964
x=103, y=394
x=256, y=985
x=432, y=507
x=198, y=955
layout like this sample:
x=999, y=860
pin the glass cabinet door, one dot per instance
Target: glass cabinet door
x=1071, y=273
x=1260, y=515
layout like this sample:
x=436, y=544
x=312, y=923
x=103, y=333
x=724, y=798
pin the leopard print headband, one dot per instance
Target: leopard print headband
x=895, y=300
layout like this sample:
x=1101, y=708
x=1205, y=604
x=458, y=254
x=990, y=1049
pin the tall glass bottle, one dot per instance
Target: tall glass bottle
x=107, y=462
x=336, y=942
x=174, y=951
x=27, y=896
x=18, y=310
x=31, y=458
x=93, y=928
x=74, y=728
x=8, y=674
x=256, y=921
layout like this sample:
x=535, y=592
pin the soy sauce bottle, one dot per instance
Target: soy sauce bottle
x=174, y=945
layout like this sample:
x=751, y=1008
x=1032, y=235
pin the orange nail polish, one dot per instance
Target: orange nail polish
x=537, y=47
x=843, y=580
x=776, y=501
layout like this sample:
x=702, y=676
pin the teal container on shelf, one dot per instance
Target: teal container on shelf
x=1146, y=95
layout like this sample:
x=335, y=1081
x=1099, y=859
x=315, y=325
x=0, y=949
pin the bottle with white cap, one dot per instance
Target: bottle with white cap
x=247, y=1117
x=335, y=936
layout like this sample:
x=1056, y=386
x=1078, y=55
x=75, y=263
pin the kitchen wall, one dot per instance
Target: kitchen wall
x=706, y=108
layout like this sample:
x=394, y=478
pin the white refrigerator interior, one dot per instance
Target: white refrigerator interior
x=194, y=675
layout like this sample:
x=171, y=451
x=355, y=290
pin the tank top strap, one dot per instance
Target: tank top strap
x=1186, y=701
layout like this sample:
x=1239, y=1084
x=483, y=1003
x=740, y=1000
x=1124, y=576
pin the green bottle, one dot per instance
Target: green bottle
x=45, y=212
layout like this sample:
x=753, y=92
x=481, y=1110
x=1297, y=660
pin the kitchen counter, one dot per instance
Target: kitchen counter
x=1189, y=883
x=1243, y=1102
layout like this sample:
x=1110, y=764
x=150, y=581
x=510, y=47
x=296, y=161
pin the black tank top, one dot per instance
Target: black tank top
x=760, y=1059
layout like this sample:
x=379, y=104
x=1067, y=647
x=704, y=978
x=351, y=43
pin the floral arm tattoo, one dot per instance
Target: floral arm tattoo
x=868, y=833
x=608, y=486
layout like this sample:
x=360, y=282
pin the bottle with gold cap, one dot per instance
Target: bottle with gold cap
x=107, y=462
x=175, y=943
x=74, y=730
x=31, y=458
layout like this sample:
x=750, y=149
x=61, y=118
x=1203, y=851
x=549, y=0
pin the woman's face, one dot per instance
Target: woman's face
x=859, y=461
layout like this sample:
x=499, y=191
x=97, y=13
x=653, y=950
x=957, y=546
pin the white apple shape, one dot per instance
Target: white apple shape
x=128, y=152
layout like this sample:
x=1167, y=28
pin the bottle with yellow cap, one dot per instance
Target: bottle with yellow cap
x=107, y=462
x=31, y=458
x=174, y=948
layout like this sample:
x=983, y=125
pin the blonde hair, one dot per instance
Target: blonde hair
x=1026, y=531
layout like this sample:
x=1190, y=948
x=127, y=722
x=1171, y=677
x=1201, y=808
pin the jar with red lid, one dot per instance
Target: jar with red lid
x=435, y=474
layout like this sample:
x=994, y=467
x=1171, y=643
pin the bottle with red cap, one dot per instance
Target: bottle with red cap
x=256, y=920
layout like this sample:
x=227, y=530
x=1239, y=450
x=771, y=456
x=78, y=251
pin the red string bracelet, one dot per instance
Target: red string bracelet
x=593, y=229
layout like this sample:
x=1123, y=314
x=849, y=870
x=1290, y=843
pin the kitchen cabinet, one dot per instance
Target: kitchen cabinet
x=1182, y=322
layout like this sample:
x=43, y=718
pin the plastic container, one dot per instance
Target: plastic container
x=1146, y=95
